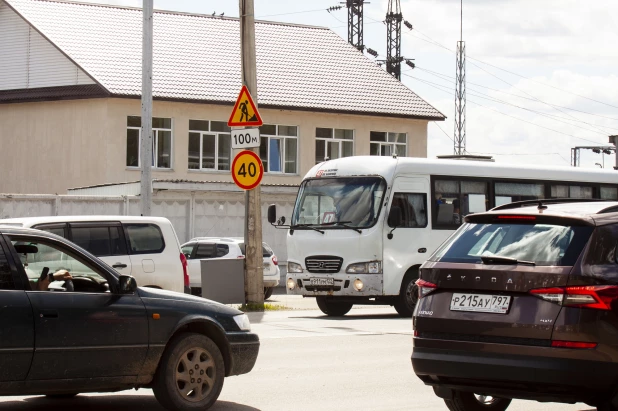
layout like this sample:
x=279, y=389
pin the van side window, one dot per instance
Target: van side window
x=52, y=228
x=101, y=241
x=455, y=199
x=413, y=209
x=6, y=276
x=144, y=238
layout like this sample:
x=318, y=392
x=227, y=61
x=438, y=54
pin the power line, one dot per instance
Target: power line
x=535, y=98
x=488, y=97
x=508, y=71
x=446, y=76
x=504, y=114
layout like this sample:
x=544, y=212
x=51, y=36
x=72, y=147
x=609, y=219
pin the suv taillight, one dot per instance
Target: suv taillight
x=425, y=287
x=183, y=261
x=275, y=261
x=599, y=297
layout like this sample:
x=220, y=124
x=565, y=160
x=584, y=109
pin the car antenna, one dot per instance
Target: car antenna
x=541, y=207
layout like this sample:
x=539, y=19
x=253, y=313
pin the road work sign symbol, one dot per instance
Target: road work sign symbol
x=247, y=170
x=245, y=113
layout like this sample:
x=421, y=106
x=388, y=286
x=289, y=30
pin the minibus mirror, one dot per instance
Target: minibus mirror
x=395, y=217
x=272, y=213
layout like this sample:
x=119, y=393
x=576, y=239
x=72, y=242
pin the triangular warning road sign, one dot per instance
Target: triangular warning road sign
x=244, y=113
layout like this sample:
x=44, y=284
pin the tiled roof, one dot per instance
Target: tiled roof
x=197, y=57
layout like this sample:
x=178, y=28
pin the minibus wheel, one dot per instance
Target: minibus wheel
x=408, y=295
x=333, y=308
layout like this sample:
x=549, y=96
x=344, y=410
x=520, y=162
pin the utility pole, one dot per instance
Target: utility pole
x=614, y=140
x=393, y=39
x=146, y=132
x=254, y=263
x=460, y=93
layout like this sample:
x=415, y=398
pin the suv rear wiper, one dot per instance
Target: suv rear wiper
x=505, y=260
x=344, y=224
x=311, y=226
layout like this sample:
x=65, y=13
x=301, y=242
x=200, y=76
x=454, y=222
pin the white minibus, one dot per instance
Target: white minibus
x=362, y=226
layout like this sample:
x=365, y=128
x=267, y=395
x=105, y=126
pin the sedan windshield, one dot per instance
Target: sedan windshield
x=339, y=202
x=541, y=244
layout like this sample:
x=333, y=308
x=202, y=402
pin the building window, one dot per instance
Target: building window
x=210, y=145
x=161, y=142
x=387, y=144
x=279, y=148
x=332, y=143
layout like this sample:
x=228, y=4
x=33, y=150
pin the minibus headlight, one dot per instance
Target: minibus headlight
x=294, y=268
x=291, y=284
x=372, y=267
x=358, y=284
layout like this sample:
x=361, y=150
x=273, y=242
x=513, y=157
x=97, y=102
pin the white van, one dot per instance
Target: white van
x=145, y=247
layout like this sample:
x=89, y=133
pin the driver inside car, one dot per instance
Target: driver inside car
x=42, y=284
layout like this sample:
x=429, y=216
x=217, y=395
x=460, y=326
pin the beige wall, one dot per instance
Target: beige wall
x=49, y=147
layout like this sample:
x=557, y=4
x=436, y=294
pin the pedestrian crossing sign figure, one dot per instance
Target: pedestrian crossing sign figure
x=245, y=113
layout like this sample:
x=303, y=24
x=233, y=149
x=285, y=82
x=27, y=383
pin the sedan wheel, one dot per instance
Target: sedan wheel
x=195, y=374
x=190, y=375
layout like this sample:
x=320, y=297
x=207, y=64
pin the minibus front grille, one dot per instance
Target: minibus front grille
x=323, y=264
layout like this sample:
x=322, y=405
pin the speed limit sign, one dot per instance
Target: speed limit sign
x=247, y=170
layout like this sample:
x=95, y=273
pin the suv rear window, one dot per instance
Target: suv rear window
x=543, y=244
x=144, y=238
x=266, y=250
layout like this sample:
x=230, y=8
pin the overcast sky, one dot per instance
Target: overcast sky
x=560, y=89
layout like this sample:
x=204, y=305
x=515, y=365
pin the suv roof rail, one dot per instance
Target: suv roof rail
x=543, y=201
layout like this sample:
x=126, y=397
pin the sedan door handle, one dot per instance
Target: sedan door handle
x=48, y=314
x=119, y=265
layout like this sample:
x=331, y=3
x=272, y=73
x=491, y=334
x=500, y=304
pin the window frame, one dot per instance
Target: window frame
x=93, y=264
x=387, y=143
x=155, y=143
x=126, y=234
x=424, y=195
x=123, y=238
x=491, y=181
x=334, y=139
x=284, y=139
x=217, y=135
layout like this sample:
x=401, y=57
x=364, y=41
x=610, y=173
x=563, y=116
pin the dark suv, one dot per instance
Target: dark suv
x=522, y=302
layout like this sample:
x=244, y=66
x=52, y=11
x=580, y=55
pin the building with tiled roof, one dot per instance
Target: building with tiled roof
x=70, y=86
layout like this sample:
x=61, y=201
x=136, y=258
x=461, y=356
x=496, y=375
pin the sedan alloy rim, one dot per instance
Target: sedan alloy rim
x=195, y=374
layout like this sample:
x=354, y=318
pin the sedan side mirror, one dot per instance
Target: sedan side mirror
x=128, y=285
x=272, y=213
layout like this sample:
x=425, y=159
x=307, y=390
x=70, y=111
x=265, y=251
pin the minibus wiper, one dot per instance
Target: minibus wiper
x=311, y=226
x=505, y=260
x=344, y=224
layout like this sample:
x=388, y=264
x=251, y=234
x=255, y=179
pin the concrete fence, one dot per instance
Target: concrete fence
x=193, y=214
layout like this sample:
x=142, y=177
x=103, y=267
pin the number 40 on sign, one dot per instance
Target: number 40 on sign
x=247, y=170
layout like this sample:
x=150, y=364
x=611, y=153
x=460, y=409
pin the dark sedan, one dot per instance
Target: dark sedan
x=70, y=324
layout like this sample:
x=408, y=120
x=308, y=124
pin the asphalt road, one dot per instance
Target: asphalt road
x=308, y=362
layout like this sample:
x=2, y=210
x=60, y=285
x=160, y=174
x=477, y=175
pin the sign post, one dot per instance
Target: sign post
x=245, y=111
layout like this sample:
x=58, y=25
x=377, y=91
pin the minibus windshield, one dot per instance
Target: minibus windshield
x=339, y=202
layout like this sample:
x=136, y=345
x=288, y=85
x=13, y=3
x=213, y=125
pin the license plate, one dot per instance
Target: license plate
x=483, y=303
x=322, y=281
